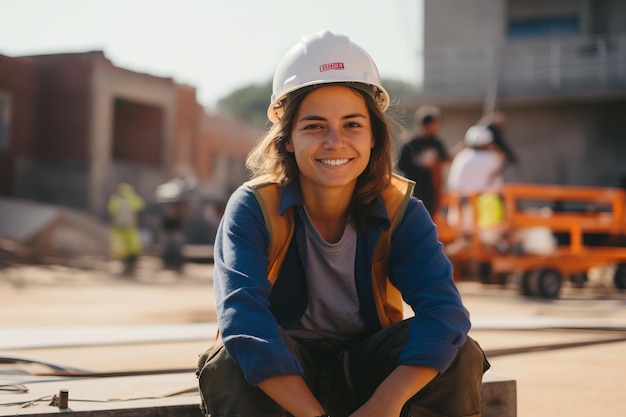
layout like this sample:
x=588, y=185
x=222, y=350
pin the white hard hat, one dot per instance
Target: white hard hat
x=478, y=136
x=324, y=58
x=427, y=111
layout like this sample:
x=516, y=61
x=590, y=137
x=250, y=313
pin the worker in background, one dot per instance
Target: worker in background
x=172, y=225
x=423, y=158
x=123, y=207
x=496, y=123
x=477, y=170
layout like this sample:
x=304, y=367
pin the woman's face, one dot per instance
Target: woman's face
x=331, y=137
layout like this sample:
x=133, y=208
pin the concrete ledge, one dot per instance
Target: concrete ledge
x=186, y=410
x=185, y=406
x=498, y=396
x=499, y=399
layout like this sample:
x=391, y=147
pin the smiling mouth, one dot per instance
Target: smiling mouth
x=334, y=162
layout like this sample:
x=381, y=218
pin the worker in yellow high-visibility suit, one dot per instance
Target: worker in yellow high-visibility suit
x=125, y=240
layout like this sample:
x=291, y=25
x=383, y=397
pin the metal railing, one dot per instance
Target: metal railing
x=585, y=64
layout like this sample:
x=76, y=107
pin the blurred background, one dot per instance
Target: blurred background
x=94, y=94
x=124, y=127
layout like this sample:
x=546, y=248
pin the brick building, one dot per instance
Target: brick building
x=72, y=126
x=18, y=95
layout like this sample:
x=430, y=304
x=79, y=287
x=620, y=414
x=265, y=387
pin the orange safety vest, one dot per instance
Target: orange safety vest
x=281, y=228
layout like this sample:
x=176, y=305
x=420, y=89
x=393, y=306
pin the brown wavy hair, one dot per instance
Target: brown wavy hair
x=270, y=159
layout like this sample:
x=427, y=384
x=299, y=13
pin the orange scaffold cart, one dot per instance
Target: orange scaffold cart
x=546, y=234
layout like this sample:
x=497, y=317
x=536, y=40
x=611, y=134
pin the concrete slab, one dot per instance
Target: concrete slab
x=580, y=382
x=38, y=337
x=138, y=396
x=499, y=397
x=163, y=395
x=577, y=381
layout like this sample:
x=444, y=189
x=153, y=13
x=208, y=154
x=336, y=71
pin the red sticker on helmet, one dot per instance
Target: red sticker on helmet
x=332, y=66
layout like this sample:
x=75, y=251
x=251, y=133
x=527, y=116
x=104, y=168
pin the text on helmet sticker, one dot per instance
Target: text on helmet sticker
x=332, y=66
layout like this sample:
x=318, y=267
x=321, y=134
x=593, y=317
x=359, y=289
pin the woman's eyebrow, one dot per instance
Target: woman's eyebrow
x=353, y=115
x=311, y=117
x=347, y=116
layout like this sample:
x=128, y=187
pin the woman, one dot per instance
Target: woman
x=311, y=257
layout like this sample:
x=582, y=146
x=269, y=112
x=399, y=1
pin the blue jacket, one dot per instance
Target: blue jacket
x=250, y=311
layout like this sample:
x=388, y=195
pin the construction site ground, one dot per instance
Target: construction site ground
x=567, y=356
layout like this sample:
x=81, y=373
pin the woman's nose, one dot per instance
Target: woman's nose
x=334, y=138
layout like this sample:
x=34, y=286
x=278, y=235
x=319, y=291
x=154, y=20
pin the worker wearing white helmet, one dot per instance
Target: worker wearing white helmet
x=477, y=168
x=477, y=136
x=308, y=281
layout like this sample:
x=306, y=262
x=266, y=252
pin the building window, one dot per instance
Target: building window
x=5, y=120
x=543, y=26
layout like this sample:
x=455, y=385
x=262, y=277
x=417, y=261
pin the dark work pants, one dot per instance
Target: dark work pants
x=343, y=377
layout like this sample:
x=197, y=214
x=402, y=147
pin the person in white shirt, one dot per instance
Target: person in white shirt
x=476, y=170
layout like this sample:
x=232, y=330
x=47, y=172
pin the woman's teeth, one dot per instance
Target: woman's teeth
x=334, y=162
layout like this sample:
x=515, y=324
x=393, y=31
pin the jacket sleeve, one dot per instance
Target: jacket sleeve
x=419, y=268
x=248, y=329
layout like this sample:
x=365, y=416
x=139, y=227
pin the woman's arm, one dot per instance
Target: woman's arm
x=399, y=386
x=292, y=393
x=249, y=330
x=419, y=268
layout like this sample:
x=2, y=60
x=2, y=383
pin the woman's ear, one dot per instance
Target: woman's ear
x=289, y=146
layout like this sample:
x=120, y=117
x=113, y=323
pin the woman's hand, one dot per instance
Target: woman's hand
x=390, y=396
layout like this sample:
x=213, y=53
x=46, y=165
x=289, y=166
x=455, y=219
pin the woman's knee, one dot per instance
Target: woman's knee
x=219, y=379
x=471, y=359
x=456, y=392
x=225, y=391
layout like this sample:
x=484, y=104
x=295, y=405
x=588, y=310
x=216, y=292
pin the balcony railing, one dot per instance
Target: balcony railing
x=549, y=67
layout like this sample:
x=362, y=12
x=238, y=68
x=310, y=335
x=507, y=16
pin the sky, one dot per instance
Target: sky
x=215, y=46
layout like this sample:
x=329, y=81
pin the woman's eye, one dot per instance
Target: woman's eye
x=313, y=126
x=353, y=124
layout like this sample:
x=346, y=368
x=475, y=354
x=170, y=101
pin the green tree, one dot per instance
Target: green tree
x=250, y=102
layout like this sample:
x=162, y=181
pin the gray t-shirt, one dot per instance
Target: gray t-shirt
x=333, y=310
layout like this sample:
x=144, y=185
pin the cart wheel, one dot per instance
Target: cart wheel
x=528, y=284
x=619, y=278
x=549, y=282
x=484, y=272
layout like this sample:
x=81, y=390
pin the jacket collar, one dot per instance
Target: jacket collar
x=291, y=195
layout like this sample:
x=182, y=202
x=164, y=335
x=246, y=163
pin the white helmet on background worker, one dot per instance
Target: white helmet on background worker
x=324, y=58
x=426, y=114
x=478, y=136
